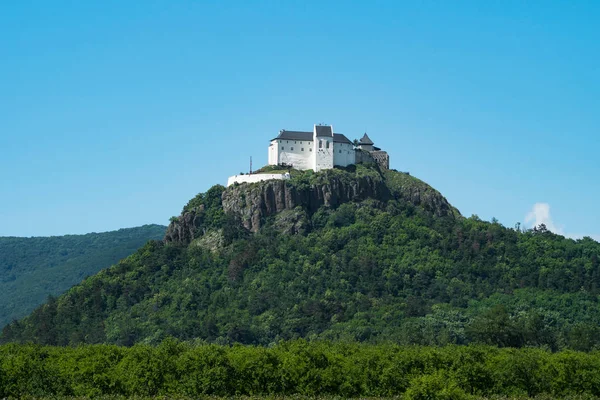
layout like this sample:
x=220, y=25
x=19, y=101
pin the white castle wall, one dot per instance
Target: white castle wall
x=273, y=153
x=297, y=153
x=343, y=154
x=255, y=178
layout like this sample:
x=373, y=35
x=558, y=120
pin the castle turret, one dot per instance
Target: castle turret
x=365, y=143
x=367, y=152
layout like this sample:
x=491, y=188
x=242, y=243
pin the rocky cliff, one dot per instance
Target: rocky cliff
x=252, y=204
x=183, y=229
x=405, y=187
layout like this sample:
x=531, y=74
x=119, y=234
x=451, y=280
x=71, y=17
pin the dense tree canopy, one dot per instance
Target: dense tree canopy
x=31, y=269
x=296, y=368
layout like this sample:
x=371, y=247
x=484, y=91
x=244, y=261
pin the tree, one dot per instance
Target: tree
x=495, y=327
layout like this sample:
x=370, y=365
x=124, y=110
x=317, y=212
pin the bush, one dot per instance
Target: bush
x=435, y=386
x=295, y=368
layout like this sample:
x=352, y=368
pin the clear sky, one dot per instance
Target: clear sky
x=115, y=113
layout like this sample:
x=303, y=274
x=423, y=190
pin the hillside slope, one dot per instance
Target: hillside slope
x=354, y=254
x=33, y=268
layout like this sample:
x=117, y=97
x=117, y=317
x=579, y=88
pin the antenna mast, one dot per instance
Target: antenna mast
x=250, y=165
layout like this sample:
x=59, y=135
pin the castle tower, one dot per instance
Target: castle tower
x=323, y=147
x=365, y=143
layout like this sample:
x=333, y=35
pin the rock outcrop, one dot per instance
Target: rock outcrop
x=295, y=201
x=431, y=200
x=255, y=202
x=418, y=193
x=183, y=229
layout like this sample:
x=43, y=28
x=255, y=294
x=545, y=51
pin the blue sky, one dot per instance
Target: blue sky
x=114, y=114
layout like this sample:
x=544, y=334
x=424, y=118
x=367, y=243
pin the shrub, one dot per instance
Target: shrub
x=435, y=386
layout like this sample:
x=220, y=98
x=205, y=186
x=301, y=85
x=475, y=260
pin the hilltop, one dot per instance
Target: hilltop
x=355, y=253
x=33, y=268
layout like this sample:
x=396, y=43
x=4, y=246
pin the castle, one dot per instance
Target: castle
x=317, y=150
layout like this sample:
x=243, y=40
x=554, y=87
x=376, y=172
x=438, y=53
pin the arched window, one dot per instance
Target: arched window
x=327, y=144
x=320, y=144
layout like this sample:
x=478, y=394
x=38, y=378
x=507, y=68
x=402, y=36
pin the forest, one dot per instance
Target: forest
x=33, y=268
x=369, y=271
x=348, y=369
x=298, y=367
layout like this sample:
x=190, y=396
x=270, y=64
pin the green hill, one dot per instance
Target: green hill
x=352, y=253
x=31, y=269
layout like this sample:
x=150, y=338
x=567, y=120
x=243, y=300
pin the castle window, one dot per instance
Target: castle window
x=340, y=152
x=303, y=149
x=320, y=144
x=327, y=144
x=310, y=149
x=292, y=149
x=282, y=148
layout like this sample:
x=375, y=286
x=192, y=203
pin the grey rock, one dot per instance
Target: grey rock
x=254, y=203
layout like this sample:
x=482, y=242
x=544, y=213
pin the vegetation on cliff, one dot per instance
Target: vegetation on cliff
x=393, y=261
x=31, y=269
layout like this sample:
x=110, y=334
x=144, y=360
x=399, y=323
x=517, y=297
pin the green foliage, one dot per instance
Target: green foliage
x=31, y=269
x=435, y=386
x=270, y=169
x=297, y=368
x=401, y=182
x=304, y=179
x=209, y=201
x=207, y=210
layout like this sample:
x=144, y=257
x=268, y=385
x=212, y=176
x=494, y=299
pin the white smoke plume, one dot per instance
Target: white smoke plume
x=540, y=214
